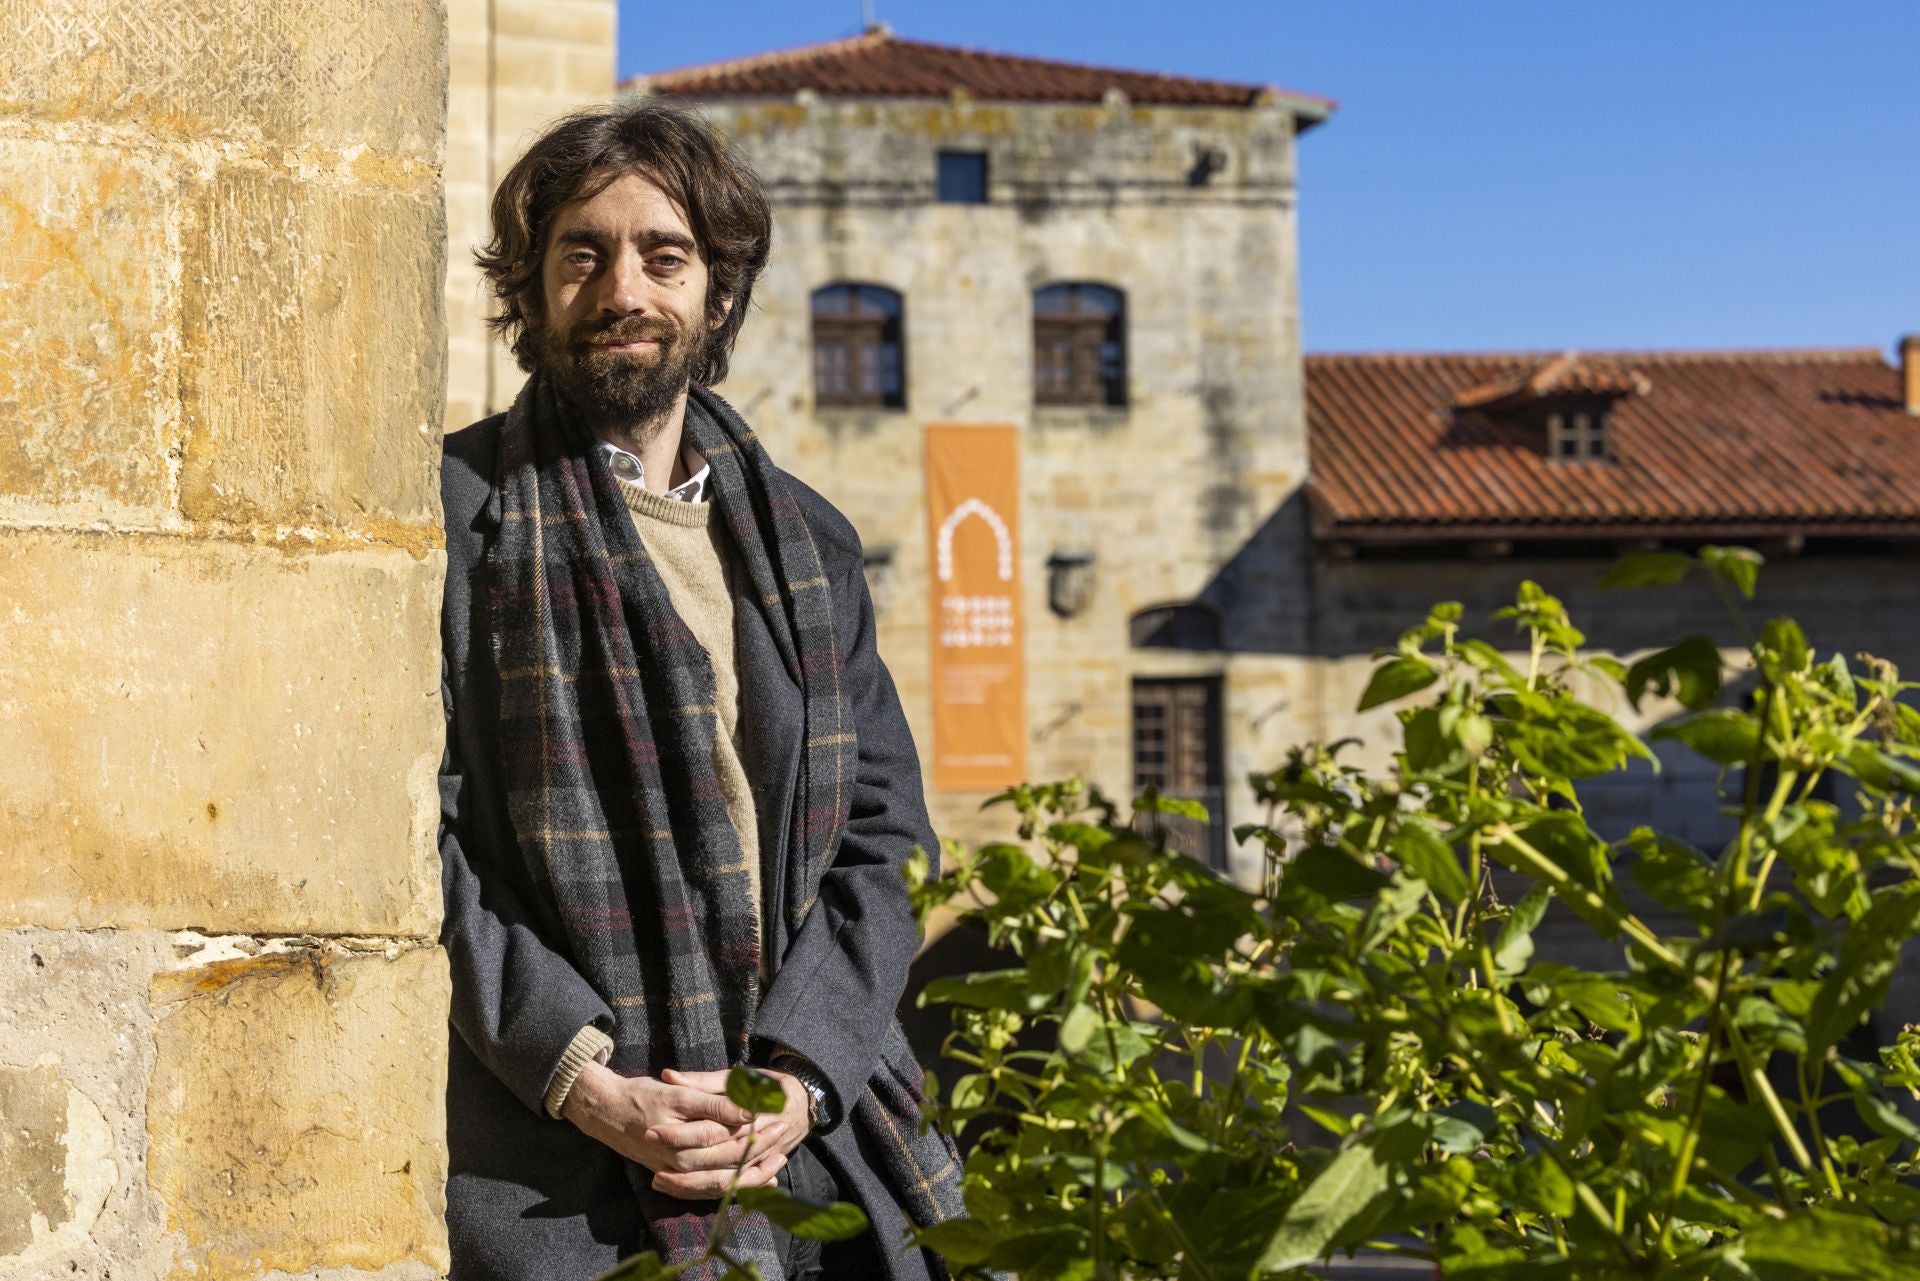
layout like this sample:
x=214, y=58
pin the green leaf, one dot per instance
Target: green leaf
x=1782, y=651
x=835, y=1222
x=1570, y=740
x=1879, y=1112
x=1689, y=672
x=1395, y=679
x=1459, y=1127
x=1078, y=1027
x=1338, y=1194
x=1723, y=735
x=962, y=1241
x=1017, y=881
x=755, y=1091
x=1486, y=658
x=1739, y=566
x=1869, y=954
x=1514, y=948
x=1059, y=1253
x=1880, y=769
x=1152, y=802
x=1826, y=1245
x=645, y=1266
x=1423, y=851
x=1232, y=1229
x=1672, y=874
x=1540, y=1184
x=986, y=990
x=1330, y=873
x=1595, y=997
x=1392, y=907
x=969, y=1092
x=1647, y=569
x=1085, y=837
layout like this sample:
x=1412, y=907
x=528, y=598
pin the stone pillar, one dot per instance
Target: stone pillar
x=515, y=65
x=222, y=1006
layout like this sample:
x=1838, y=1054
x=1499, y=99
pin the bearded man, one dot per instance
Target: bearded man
x=678, y=790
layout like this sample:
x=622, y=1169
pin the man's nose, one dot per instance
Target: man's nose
x=626, y=285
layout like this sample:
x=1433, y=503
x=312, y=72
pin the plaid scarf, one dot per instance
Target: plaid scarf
x=607, y=728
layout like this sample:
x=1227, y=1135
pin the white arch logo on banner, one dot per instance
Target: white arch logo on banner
x=1002, y=540
x=975, y=622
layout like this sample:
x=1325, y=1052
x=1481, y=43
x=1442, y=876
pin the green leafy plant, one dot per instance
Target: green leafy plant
x=1368, y=1054
x=762, y=1095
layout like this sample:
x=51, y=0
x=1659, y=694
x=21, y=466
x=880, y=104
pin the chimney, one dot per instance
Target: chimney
x=1910, y=372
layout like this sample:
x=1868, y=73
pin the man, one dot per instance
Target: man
x=678, y=789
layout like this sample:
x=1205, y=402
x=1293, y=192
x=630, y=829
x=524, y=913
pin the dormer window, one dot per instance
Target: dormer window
x=1578, y=435
x=1569, y=400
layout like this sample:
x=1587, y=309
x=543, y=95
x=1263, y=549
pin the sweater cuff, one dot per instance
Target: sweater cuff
x=589, y=1045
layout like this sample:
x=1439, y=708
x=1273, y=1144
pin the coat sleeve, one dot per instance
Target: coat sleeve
x=840, y=980
x=517, y=1003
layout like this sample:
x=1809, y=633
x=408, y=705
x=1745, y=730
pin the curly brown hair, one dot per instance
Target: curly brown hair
x=583, y=153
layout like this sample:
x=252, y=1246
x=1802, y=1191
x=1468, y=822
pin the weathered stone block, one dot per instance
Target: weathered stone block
x=588, y=72
x=281, y=72
x=217, y=736
x=587, y=22
x=528, y=64
x=313, y=372
x=346, y=1167
x=87, y=356
x=55, y=1167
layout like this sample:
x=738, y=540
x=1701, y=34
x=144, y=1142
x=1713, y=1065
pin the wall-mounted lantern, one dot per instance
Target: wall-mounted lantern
x=1070, y=581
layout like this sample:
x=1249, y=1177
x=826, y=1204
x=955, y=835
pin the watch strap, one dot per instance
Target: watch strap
x=813, y=1081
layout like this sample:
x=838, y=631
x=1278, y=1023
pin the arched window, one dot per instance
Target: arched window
x=859, y=359
x=1079, y=345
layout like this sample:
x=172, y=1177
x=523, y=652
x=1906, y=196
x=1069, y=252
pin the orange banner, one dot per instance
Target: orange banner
x=979, y=677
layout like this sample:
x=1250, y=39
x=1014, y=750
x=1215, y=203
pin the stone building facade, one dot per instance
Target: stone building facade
x=222, y=1003
x=1179, y=489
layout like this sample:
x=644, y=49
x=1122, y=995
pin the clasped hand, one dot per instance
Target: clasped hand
x=684, y=1128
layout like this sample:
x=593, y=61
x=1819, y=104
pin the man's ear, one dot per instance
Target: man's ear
x=726, y=309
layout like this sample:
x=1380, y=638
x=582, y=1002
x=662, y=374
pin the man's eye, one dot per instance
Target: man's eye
x=669, y=262
x=581, y=258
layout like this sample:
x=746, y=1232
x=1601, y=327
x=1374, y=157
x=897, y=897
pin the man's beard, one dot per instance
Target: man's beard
x=631, y=391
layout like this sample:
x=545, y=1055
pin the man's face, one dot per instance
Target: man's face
x=624, y=295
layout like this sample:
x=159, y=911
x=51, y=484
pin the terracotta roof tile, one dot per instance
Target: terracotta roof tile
x=881, y=65
x=1707, y=443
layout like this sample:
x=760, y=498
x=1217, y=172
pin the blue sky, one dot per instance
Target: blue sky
x=1517, y=173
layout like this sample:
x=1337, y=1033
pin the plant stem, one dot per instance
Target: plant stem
x=1628, y=923
x=1098, y=1226
x=1756, y=1080
x=1690, y=1143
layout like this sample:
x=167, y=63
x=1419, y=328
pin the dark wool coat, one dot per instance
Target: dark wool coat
x=529, y=1197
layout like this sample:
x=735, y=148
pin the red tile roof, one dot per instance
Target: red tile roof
x=1709, y=444
x=881, y=65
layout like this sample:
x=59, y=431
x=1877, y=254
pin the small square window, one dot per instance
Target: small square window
x=1578, y=437
x=963, y=178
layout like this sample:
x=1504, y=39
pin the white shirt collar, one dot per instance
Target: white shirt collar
x=629, y=468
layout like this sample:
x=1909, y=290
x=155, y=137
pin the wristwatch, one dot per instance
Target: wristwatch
x=819, y=1098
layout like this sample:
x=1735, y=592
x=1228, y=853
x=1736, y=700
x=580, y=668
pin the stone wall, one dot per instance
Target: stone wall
x=222, y=1008
x=514, y=65
x=1170, y=492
